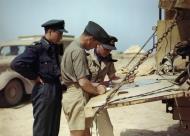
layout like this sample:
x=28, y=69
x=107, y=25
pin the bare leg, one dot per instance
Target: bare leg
x=80, y=132
x=87, y=132
x=77, y=133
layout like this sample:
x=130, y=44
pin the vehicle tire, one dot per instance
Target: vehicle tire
x=13, y=92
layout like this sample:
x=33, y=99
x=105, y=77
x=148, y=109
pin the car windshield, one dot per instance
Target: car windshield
x=11, y=50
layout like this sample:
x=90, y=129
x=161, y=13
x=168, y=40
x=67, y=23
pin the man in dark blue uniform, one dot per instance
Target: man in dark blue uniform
x=40, y=63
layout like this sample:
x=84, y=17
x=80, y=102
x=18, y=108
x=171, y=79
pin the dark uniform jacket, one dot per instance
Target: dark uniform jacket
x=40, y=59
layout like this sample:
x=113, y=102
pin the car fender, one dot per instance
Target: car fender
x=8, y=75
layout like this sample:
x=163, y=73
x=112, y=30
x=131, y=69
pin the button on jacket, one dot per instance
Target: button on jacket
x=40, y=59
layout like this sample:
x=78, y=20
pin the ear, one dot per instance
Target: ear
x=48, y=32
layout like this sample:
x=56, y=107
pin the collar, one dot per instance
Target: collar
x=77, y=40
x=46, y=44
x=91, y=54
x=104, y=59
x=99, y=58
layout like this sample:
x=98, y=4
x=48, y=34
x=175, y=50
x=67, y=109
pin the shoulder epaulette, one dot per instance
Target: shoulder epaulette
x=36, y=43
x=37, y=46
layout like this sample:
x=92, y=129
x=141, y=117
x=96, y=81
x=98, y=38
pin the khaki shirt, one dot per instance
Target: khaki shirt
x=98, y=69
x=74, y=63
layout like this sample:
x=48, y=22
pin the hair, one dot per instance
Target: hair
x=47, y=28
x=85, y=33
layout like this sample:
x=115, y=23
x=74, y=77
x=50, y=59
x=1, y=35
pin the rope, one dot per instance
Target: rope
x=144, y=94
x=141, y=48
x=135, y=67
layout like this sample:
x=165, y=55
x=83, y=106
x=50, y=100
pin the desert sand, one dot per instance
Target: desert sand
x=148, y=119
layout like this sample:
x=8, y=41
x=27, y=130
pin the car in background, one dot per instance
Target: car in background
x=13, y=86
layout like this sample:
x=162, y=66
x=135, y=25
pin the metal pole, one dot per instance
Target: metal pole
x=160, y=14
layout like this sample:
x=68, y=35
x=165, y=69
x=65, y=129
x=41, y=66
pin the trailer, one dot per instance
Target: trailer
x=173, y=27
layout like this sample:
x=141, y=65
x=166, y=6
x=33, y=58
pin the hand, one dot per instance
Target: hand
x=105, y=83
x=101, y=89
x=182, y=43
x=131, y=79
x=38, y=80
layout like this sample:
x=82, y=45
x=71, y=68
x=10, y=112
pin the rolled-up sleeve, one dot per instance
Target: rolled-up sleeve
x=80, y=64
x=111, y=69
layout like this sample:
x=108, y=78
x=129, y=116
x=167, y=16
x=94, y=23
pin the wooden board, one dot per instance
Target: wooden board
x=181, y=113
x=185, y=125
x=182, y=102
x=183, y=4
x=167, y=4
x=149, y=91
x=178, y=33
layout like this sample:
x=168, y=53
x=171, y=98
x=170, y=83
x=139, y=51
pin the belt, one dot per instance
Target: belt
x=53, y=80
x=73, y=85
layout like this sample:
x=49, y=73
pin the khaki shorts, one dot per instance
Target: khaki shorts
x=74, y=101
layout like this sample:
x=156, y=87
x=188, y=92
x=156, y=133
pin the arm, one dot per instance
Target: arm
x=116, y=79
x=25, y=63
x=111, y=72
x=81, y=71
x=87, y=86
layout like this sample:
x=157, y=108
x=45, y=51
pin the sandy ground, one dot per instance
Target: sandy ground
x=148, y=119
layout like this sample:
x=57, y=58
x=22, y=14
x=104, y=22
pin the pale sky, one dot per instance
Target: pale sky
x=130, y=21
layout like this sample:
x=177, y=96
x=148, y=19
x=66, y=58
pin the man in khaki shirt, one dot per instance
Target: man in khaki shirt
x=75, y=74
x=100, y=64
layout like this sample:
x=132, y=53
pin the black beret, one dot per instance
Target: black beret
x=58, y=25
x=97, y=32
x=111, y=44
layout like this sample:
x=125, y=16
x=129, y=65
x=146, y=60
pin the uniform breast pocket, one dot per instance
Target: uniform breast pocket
x=46, y=65
x=94, y=70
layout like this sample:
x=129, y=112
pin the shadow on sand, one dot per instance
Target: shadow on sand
x=172, y=131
